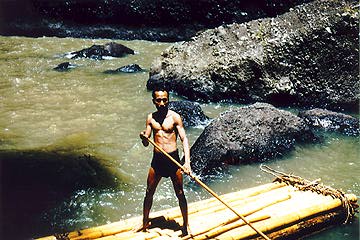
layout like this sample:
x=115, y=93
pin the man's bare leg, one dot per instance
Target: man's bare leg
x=177, y=181
x=152, y=182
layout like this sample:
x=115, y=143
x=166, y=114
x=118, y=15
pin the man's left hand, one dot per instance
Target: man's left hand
x=187, y=168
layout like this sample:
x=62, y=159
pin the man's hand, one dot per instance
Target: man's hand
x=187, y=167
x=144, y=138
x=142, y=135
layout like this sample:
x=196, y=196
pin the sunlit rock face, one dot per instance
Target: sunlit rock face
x=255, y=133
x=306, y=57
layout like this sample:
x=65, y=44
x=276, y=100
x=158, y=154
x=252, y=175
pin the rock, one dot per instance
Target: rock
x=306, y=57
x=65, y=66
x=117, y=50
x=131, y=68
x=190, y=112
x=160, y=13
x=111, y=49
x=124, y=19
x=250, y=134
x=331, y=121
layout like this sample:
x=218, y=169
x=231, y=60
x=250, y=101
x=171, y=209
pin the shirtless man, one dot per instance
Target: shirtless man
x=165, y=125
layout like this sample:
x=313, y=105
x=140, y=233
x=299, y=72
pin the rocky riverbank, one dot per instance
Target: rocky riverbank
x=140, y=19
x=306, y=57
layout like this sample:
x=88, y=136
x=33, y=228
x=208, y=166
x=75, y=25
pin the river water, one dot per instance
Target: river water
x=87, y=112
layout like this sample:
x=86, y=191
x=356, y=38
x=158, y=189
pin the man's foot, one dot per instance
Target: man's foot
x=143, y=227
x=184, y=231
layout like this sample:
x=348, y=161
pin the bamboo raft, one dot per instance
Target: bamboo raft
x=288, y=207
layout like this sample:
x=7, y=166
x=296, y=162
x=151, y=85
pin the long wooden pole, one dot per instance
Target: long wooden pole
x=206, y=188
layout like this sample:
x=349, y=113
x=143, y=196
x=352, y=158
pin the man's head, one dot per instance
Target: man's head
x=160, y=99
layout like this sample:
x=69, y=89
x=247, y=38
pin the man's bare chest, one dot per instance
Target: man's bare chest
x=167, y=125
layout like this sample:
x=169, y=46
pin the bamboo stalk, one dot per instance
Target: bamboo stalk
x=215, y=232
x=101, y=231
x=305, y=227
x=311, y=206
x=250, y=209
x=207, y=188
x=245, y=207
x=282, y=221
x=173, y=213
x=212, y=203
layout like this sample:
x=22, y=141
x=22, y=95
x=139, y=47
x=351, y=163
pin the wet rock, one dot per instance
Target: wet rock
x=255, y=133
x=65, y=66
x=306, y=57
x=131, y=68
x=160, y=12
x=128, y=19
x=331, y=121
x=111, y=49
x=190, y=112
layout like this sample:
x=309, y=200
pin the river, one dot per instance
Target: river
x=83, y=111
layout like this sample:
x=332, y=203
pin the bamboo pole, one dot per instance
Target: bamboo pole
x=211, y=204
x=196, y=208
x=309, y=226
x=250, y=209
x=206, y=188
x=286, y=219
x=243, y=205
x=215, y=232
x=302, y=200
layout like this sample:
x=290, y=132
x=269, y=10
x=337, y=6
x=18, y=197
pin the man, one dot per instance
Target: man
x=165, y=125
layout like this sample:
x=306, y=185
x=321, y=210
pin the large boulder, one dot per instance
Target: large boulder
x=331, y=121
x=255, y=133
x=190, y=112
x=308, y=57
x=98, y=52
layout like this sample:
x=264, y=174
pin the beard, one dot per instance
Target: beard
x=162, y=109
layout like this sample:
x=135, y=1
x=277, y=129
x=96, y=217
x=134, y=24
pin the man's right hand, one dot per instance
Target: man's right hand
x=144, y=138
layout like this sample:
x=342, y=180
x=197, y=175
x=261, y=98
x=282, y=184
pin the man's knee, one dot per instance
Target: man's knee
x=149, y=193
x=180, y=194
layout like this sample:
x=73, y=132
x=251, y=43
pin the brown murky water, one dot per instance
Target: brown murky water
x=88, y=112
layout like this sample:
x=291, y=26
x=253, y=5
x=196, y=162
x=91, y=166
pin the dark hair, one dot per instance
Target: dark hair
x=159, y=88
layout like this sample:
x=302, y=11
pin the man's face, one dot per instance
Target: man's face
x=161, y=100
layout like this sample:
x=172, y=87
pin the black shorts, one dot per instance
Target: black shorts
x=163, y=166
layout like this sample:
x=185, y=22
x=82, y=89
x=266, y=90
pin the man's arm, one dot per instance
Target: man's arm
x=184, y=140
x=147, y=132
